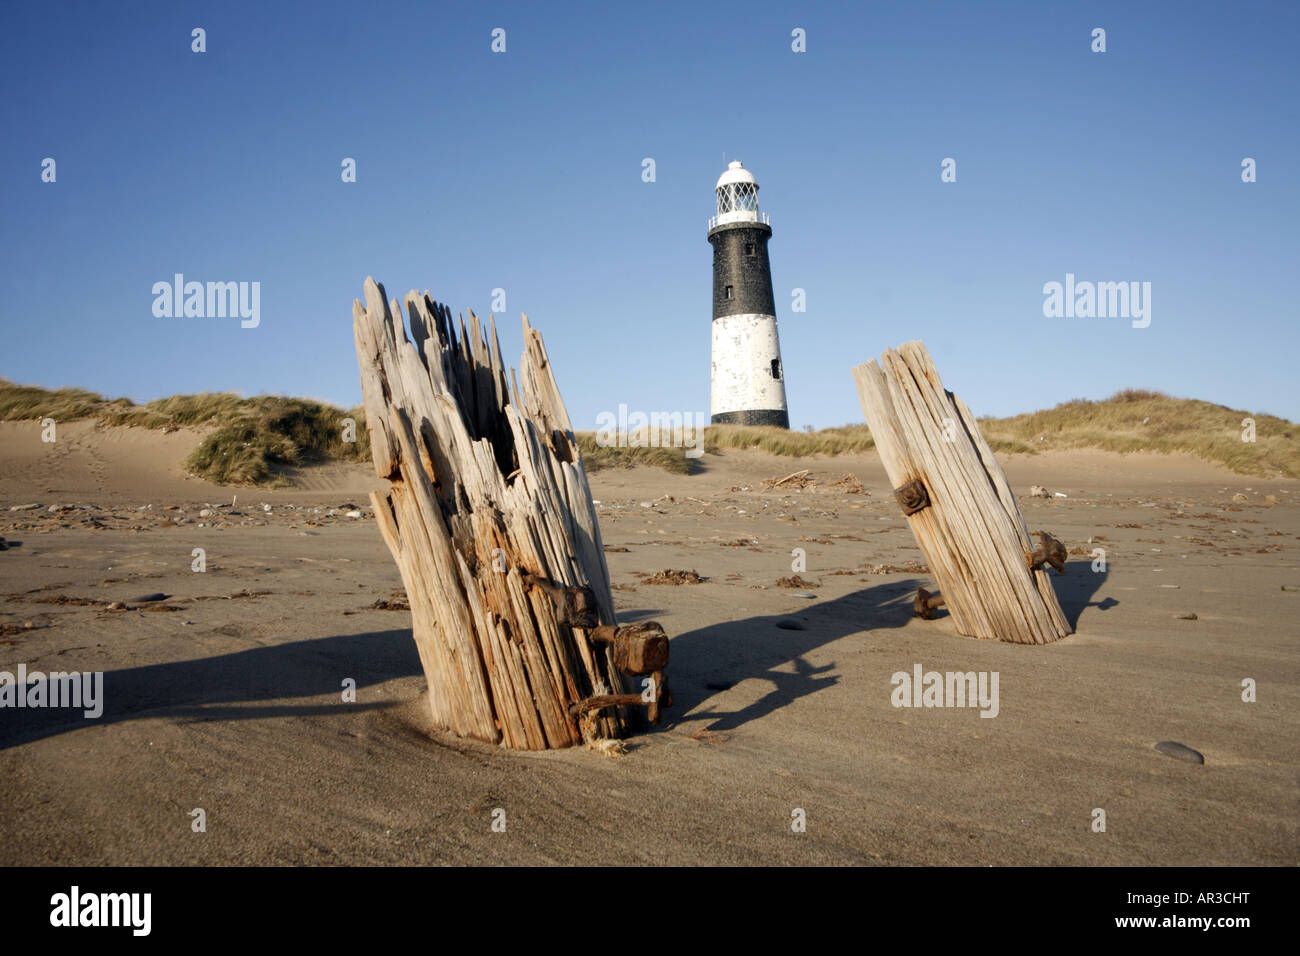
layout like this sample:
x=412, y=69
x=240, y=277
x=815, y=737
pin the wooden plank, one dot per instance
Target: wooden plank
x=971, y=531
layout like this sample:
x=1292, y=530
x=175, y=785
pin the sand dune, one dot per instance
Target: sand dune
x=225, y=694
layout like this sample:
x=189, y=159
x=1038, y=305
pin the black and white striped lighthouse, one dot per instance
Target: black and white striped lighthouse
x=748, y=386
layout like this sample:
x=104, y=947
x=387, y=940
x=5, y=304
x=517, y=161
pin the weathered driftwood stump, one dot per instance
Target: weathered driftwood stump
x=958, y=504
x=490, y=520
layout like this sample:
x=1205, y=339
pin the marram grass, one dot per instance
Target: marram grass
x=1133, y=420
x=252, y=440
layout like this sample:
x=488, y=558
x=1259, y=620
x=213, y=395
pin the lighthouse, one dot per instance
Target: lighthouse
x=748, y=384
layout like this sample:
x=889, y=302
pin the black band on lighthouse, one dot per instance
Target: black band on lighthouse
x=753, y=416
x=742, y=275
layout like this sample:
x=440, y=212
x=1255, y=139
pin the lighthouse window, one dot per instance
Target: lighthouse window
x=776, y=368
x=749, y=248
x=728, y=292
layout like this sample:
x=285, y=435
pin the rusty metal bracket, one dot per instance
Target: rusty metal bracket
x=926, y=604
x=640, y=650
x=655, y=697
x=912, y=496
x=1050, y=551
x=574, y=606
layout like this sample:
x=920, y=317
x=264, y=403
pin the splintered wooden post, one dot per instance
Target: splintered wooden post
x=491, y=523
x=958, y=504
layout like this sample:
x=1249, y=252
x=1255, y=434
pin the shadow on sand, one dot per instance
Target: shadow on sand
x=195, y=690
x=706, y=661
x=712, y=659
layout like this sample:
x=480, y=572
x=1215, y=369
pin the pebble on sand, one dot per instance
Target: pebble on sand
x=1189, y=616
x=1172, y=748
x=789, y=624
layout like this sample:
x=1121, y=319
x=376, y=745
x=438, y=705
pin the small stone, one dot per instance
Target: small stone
x=1270, y=499
x=789, y=624
x=205, y=513
x=1189, y=616
x=34, y=504
x=803, y=594
x=1172, y=748
x=354, y=514
x=150, y=598
x=1038, y=491
x=118, y=606
x=1240, y=498
x=645, y=504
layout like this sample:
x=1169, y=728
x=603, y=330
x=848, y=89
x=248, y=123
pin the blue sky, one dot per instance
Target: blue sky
x=523, y=171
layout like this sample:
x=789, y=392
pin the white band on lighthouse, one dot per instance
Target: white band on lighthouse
x=746, y=364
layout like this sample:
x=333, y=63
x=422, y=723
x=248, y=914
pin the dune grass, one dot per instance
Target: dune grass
x=269, y=432
x=1137, y=420
x=254, y=438
x=595, y=457
x=845, y=440
x=1133, y=420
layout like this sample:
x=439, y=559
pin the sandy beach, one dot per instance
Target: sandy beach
x=225, y=693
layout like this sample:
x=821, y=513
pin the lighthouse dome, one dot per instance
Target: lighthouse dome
x=736, y=173
x=737, y=196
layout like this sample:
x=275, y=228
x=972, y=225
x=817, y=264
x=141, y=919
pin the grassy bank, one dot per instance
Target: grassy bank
x=1133, y=420
x=253, y=439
